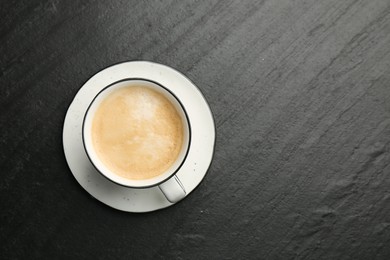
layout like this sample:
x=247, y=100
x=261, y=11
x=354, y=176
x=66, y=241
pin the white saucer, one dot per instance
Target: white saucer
x=199, y=156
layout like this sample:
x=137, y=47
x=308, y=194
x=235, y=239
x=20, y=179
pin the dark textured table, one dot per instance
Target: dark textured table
x=300, y=92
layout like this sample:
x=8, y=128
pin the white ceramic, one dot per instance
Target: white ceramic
x=192, y=170
x=173, y=191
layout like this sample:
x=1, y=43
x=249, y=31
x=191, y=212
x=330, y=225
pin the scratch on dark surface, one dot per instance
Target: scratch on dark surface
x=315, y=29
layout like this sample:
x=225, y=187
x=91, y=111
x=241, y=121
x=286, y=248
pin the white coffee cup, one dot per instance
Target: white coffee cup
x=167, y=181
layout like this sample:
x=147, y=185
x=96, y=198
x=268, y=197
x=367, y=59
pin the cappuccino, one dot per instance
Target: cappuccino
x=137, y=132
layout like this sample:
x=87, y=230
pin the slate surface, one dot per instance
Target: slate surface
x=300, y=91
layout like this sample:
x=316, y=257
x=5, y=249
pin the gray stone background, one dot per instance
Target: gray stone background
x=300, y=92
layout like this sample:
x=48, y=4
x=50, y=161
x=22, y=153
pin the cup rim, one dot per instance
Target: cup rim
x=186, y=118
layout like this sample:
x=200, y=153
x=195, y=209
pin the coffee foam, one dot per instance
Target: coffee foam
x=137, y=133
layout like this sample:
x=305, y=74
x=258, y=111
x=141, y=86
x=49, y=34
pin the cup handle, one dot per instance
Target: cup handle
x=173, y=189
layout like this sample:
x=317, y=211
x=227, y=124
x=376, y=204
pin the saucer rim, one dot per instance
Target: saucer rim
x=195, y=87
